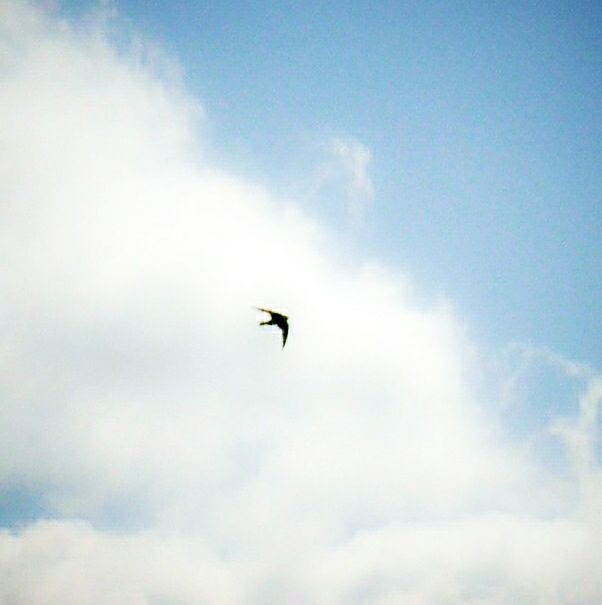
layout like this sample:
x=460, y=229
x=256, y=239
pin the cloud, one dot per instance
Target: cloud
x=70, y=563
x=354, y=160
x=181, y=455
x=344, y=174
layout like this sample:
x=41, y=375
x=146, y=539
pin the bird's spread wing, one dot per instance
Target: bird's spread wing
x=266, y=310
x=284, y=329
x=272, y=313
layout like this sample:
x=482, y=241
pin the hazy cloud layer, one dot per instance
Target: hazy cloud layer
x=183, y=456
x=343, y=179
x=353, y=160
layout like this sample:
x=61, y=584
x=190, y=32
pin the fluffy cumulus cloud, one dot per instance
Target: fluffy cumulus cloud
x=168, y=451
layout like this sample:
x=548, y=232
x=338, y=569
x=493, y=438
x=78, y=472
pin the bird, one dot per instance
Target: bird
x=276, y=319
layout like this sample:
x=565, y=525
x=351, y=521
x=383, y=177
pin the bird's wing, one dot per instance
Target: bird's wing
x=274, y=314
x=265, y=310
x=284, y=329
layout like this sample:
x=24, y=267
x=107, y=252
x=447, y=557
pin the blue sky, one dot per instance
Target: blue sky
x=417, y=187
x=484, y=124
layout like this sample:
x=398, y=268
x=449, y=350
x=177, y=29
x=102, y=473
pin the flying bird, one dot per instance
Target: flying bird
x=276, y=319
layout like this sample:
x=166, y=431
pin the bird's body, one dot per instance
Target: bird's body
x=276, y=319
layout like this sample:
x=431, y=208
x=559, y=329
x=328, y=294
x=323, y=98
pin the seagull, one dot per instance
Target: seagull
x=276, y=319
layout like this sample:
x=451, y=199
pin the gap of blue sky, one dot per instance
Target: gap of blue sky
x=484, y=121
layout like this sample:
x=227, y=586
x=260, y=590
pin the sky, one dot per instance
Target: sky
x=417, y=186
x=483, y=123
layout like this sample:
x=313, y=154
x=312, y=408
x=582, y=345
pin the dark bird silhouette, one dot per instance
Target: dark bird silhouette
x=276, y=319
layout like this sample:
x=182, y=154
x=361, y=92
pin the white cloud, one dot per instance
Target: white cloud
x=354, y=159
x=53, y=563
x=138, y=391
x=344, y=175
